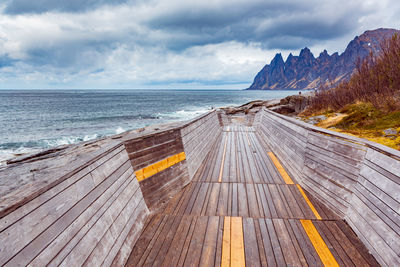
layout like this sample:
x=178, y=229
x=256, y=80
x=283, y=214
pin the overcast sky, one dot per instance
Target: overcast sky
x=170, y=43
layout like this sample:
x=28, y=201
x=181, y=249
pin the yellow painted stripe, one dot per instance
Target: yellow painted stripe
x=281, y=170
x=319, y=245
x=159, y=166
x=226, y=243
x=237, y=243
x=309, y=203
x=223, y=161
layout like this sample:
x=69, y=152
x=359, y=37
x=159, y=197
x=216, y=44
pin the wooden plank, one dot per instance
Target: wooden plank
x=356, y=242
x=60, y=232
x=234, y=200
x=226, y=243
x=174, y=251
x=88, y=243
x=192, y=198
x=288, y=249
x=309, y=202
x=347, y=246
x=148, y=234
x=319, y=244
x=223, y=160
x=384, y=253
x=218, y=252
x=213, y=200
x=302, y=259
x=250, y=243
x=242, y=201
x=195, y=246
x=337, y=251
x=291, y=201
x=259, y=239
x=111, y=236
x=25, y=209
x=252, y=201
x=222, y=207
x=131, y=238
x=198, y=204
x=268, y=252
x=278, y=202
x=180, y=261
x=13, y=239
x=268, y=195
x=305, y=244
x=160, y=246
x=226, y=167
x=276, y=247
x=159, y=166
x=208, y=253
x=233, y=173
x=237, y=243
x=70, y=237
x=281, y=170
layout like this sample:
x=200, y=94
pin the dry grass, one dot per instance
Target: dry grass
x=376, y=81
x=370, y=100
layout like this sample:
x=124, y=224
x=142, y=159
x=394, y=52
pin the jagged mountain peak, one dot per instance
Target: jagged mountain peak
x=306, y=72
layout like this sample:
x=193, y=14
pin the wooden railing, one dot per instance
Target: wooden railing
x=356, y=178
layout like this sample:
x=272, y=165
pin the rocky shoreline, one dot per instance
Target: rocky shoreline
x=290, y=105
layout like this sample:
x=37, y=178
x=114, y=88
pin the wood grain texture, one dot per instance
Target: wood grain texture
x=357, y=179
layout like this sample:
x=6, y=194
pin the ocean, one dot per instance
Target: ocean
x=33, y=120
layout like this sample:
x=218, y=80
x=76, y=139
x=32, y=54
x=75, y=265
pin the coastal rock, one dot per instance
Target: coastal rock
x=307, y=72
x=316, y=119
x=391, y=132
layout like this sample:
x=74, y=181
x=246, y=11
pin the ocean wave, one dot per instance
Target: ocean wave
x=183, y=114
x=119, y=130
x=10, y=150
x=121, y=117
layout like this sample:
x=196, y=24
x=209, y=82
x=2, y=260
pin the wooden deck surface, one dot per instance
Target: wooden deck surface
x=240, y=210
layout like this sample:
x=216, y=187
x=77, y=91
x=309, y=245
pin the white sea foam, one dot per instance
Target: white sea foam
x=119, y=130
x=183, y=114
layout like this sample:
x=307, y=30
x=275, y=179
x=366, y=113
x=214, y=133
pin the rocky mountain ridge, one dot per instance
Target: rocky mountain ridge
x=307, y=72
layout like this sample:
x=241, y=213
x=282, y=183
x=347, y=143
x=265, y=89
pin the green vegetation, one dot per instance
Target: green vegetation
x=369, y=102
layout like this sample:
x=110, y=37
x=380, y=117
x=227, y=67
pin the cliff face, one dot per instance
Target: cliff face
x=307, y=72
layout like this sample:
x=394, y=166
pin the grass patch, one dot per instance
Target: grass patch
x=364, y=120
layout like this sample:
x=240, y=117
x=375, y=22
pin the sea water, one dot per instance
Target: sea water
x=33, y=120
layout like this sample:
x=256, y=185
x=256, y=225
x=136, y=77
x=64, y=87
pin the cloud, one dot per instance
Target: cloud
x=126, y=43
x=41, y=6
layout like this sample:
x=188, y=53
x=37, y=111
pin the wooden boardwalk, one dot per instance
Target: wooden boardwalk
x=243, y=209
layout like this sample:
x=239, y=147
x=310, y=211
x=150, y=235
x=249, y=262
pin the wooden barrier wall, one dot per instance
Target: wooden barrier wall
x=88, y=204
x=358, y=179
x=145, y=152
x=90, y=217
x=198, y=136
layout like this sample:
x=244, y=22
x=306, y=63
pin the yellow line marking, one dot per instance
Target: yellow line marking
x=226, y=243
x=159, y=166
x=309, y=203
x=319, y=245
x=237, y=243
x=223, y=161
x=281, y=170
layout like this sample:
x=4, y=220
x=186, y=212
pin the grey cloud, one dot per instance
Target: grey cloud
x=167, y=41
x=6, y=61
x=301, y=22
x=40, y=6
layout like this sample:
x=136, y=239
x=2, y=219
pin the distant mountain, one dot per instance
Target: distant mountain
x=307, y=72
